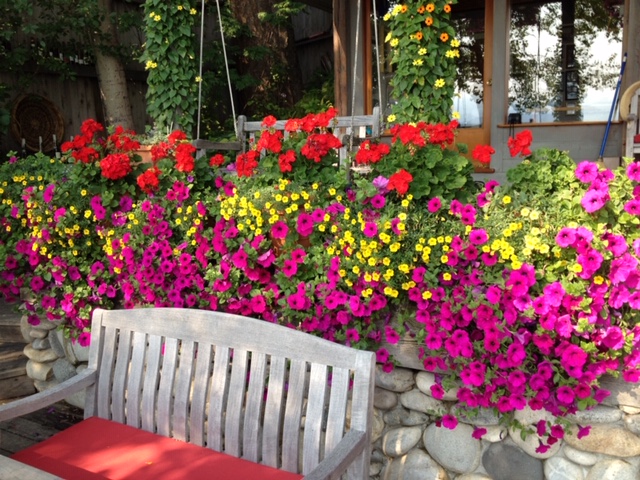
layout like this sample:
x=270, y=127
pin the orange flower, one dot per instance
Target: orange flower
x=404, y=9
x=429, y=21
x=418, y=36
x=431, y=7
x=421, y=9
x=444, y=36
x=447, y=8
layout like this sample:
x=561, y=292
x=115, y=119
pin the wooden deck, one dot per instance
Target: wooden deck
x=23, y=432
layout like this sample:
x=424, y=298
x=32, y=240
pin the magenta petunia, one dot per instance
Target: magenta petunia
x=593, y=200
x=382, y=355
x=449, y=421
x=378, y=201
x=434, y=205
x=370, y=229
x=565, y=237
x=632, y=207
x=586, y=171
x=478, y=236
x=633, y=171
x=565, y=395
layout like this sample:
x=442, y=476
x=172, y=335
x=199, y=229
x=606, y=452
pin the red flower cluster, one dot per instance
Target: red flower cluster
x=270, y=141
x=160, y=151
x=520, y=143
x=185, y=162
x=369, y=152
x=246, y=163
x=121, y=140
x=482, y=153
x=115, y=166
x=81, y=151
x=318, y=145
x=149, y=180
x=310, y=122
x=217, y=160
x=409, y=134
x=400, y=181
x=441, y=134
x=286, y=161
x=176, y=136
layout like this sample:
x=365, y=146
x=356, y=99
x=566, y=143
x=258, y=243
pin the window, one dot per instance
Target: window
x=564, y=59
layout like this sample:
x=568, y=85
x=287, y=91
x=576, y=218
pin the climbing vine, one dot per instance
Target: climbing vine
x=170, y=58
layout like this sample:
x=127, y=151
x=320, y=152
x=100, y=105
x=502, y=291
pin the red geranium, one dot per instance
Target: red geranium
x=160, y=151
x=482, y=153
x=269, y=121
x=121, y=139
x=115, y=166
x=318, y=145
x=520, y=144
x=371, y=152
x=270, y=141
x=441, y=134
x=246, y=163
x=400, y=181
x=409, y=134
x=176, y=136
x=217, y=160
x=286, y=161
x=184, y=157
x=149, y=180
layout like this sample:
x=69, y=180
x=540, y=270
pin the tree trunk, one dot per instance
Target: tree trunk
x=111, y=76
x=271, y=86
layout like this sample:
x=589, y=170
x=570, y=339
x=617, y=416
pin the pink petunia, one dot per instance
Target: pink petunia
x=279, y=230
x=586, y=171
x=449, y=421
x=478, y=236
x=565, y=237
x=593, y=200
x=434, y=205
x=633, y=171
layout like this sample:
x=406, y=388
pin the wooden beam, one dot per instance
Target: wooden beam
x=340, y=55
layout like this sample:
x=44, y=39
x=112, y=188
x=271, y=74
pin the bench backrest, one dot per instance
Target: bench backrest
x=238, y=385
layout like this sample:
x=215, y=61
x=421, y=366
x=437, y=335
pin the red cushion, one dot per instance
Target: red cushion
x=636, y=139
x=100, y=449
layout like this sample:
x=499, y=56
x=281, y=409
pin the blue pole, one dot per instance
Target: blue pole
x=613, y=106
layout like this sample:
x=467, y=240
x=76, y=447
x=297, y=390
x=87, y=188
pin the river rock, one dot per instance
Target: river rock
x=378, y=425
x=35, y=333
x=531, y=442
x=41, y=356
x=607, y=439
x=558, y=468
x=394, y=417
x=398, y=380
x=506, y=462
x=630, y=410
x=56, y=339
x=578, y=456
x=415, y=465
x=456, y=450
x=416, y=400
x=495, y=433
x=41, y=343
x=63, y=369
x=399, y=441
x=632, y=422
x=597, y=414
x=384, y=399
x=528, y=416
x=424, y=381
x=613, y=469
x=39, y=371
x=483, y=416
x=473, y=476
x=622, y=393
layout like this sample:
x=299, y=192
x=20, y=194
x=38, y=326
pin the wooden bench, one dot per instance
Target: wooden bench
x=180, y=393
x=349, y=130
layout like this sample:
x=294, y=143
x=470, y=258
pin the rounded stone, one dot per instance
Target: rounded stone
x=608, y=439
x=414, y=418
x=35, y=333
x=531, y=442
x=621, y=392
x=456, y=450
x=56, y=339
x=473, y=476
x=397, y=380
x=394, y=417
x=558, y=468
x=416, y=465
x=63, y=369
x=416, y=400
x=41, y=356
x=578, y=456
x=528, y=416
x=26, y=330
x=613, y=469
x=374, y=469
x=506, y=462
x=41, y=343
x=384, y=399
x=495, y=433
x=424, y=381
x=632, y=422
x=44, y=325
x=630, y=410
x=481, y=416
x=39, y=371
x=378, y=425
x=397, y=442
x=41, y=385
x=597, y=414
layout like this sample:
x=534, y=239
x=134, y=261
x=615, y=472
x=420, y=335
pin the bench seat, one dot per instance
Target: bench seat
x=99, y=449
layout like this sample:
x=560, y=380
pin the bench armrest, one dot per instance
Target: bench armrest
x=344, y=454
x=48, y=397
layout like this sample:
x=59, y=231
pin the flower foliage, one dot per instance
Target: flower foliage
x=515, y=298
x=424, y=49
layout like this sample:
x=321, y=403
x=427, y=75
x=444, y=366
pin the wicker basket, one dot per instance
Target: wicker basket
x=34, y=118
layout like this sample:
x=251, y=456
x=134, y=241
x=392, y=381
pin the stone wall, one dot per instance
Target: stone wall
x=408, y=445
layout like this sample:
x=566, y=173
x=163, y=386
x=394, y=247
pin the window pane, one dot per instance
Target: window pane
x=565, y=59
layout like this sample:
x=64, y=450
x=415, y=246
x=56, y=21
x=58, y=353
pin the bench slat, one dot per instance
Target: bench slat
x=235, y=403
x=217, y=401
x=337, y=407
x=314, y=416
x=120, y=374
x=274, y=407
x=183, y=390
x=200, y=390
x=253, y=410
x=165, y=390
x=150, y=384
x=134, y=383
x=105, y=374
x=293, y=414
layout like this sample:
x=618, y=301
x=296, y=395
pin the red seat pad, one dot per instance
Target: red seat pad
x=101, y=449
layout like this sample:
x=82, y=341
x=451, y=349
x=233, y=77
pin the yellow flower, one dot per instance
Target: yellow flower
x=426, y=295
x=180, y=7
x=506, y=199
x=439, y=83
x=391, y=118
x=198, y=79
x=456, y=115
x=193, y=11
x=417, y=62
x=422, y=51
x=455, y=43
x=150, y=65
x=444, y=259
x=525, y=212
x=394, y=42
x=83, y=192
x=598, y=280
x=446, y=276
x=535, y=215
x=157, y=18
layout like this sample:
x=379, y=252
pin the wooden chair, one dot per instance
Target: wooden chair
x=247, y=388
